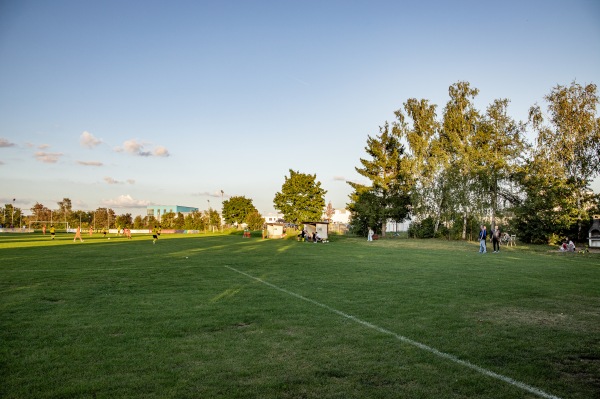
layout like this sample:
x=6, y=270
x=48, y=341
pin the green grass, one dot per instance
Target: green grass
x=227, y=317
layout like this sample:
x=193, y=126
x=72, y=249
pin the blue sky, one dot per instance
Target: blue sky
x=130, y=103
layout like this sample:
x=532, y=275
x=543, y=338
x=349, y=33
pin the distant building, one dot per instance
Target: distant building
x=273, y=218
x=339, y=216
x=157, y=210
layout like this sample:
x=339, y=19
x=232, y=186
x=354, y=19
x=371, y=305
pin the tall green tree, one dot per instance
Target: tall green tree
x=236, y=209
x=254, y=220
x=301, y=198
x=547, y=206
x=500, y=141
x=426, y=159
x=461, y=121
x=40, y=212
x=104, y=218
x=388, y=195
x=572, y=138
x=124, y=220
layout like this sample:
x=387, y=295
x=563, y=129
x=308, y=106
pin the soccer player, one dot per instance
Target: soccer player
x=104, y=232
x=127, y=232
x=44, y=229
x=78, y=234
x=52, y=231
x=154, y=234
x=91, y=231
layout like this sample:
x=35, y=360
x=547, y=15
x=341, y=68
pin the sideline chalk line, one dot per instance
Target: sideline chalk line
x=409, y=341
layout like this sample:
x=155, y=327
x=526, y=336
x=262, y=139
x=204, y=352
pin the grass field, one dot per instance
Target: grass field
x=228, y=317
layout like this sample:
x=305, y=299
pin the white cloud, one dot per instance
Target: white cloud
x=48, y=157
x=161, y=151
x=130, y=181
x=90, y=163
x=133, y=146
x=43, y=146
x=5, y=143
x=126, y=201
x=88, y=140
x=339, y=178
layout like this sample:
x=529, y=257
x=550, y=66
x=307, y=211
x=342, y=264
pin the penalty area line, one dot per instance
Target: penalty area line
x=427, y=348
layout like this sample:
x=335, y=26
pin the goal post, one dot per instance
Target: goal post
x=39, y=224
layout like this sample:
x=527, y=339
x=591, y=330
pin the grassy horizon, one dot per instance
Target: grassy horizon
x=223, y=316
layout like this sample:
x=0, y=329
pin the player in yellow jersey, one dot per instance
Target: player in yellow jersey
x=154, y=234
x=52, y=231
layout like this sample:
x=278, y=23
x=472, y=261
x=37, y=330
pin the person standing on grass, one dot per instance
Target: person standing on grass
x=496, y=239
x=78, y=234
x=482, y=238
x=91, y=231
x=52, y=232
x=103, y=232
x=44, y=229
x=370, y=234
x=154, y=235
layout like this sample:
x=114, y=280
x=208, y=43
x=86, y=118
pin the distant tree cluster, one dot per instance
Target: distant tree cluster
x=449, y=174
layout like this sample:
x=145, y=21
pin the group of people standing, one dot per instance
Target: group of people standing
x=495, y=235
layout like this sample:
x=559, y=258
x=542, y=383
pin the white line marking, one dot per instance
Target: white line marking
x=481, y=370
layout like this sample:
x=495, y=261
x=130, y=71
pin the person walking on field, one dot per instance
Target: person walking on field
x=496, y=239
x=370, y=235
x=44, y=229
x=482, y=238
x=52, y=231
x=78, y=234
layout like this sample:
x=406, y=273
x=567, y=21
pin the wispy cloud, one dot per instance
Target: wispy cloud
x=48, y=157
x=38, y=146
x=88, y=140
x=126, y=201
x=110, y=180
x=216, y=194
x=339, y=178
x=136, y=147
x=90, y=163
x=4, y=143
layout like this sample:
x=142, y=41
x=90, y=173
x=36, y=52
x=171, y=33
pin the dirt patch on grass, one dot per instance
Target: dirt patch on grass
x=526, y=317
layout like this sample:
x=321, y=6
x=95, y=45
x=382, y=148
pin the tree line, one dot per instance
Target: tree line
x=449, y=173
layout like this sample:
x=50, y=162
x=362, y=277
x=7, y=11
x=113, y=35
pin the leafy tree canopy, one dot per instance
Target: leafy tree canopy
x=236, y=209
x=301, y=198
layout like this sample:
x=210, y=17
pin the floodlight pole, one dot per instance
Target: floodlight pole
x=222, y=192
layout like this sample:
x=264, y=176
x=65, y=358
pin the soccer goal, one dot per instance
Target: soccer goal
x=39, y=225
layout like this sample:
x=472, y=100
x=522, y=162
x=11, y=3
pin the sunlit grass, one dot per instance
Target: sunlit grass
x=224, y=316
